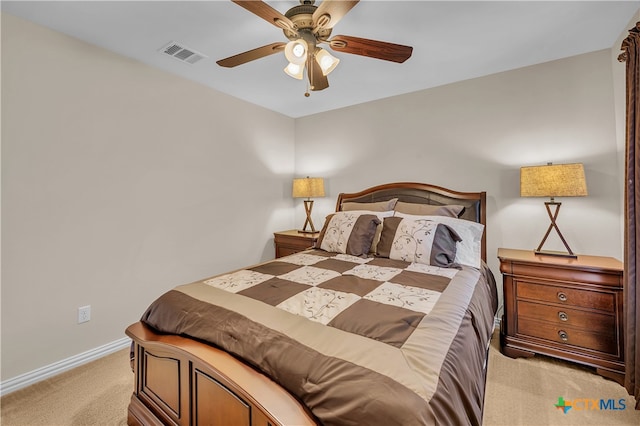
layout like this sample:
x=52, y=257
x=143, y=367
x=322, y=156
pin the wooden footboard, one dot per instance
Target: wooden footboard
x=179, y=381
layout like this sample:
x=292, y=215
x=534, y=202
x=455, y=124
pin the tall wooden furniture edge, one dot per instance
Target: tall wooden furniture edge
x=181, y=381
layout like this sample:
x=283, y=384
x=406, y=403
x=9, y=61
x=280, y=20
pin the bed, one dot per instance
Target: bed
x=386, y=321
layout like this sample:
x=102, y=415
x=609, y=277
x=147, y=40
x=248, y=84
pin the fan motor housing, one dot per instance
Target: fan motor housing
x=302, y=18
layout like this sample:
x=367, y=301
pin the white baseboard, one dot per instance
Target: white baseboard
x=50, y=370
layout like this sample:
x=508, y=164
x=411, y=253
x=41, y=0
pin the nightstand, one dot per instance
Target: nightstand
x=293, y=241
x=564, y=308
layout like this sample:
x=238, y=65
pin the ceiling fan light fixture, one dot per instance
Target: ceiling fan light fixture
x=294, y=70
x=327, y=61
x=306, y=27
x=296, y=51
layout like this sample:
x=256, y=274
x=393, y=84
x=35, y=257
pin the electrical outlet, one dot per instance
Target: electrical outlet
x=84, y=314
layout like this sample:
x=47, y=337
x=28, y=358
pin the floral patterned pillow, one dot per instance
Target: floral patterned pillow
x=418, y=241
x=469, y=250
x=348, y=232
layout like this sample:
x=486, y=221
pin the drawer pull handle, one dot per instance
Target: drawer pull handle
x=563, y=316
x=562, y=297
x=563, y=335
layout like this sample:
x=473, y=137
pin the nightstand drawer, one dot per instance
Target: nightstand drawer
x=565, y=273
x=283, y=251
x=587, y=339
x=563, y=316
x=566, y=296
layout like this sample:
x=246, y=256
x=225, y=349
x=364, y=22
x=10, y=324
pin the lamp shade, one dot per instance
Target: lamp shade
x=553, y=180
x=308, y=187
x=294, y=70
x=327, y=61
x=296, y=51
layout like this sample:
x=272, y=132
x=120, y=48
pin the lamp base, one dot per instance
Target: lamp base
x=304, y=231
x=555, y=253
x=308, y=206
x=553, y=216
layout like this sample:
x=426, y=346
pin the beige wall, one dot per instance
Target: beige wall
x=116, y=177
x=474, y=136
x=118, y=182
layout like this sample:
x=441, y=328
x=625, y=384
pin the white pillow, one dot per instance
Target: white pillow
x=469, y=250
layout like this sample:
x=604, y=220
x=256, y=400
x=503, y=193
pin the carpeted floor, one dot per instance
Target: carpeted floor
x=519, y=392
x=93, y=394
x=524, y=391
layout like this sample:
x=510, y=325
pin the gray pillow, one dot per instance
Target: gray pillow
x=429, y=209
x=380, y=206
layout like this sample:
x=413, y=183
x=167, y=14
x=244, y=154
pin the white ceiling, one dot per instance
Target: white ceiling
x=452, y=41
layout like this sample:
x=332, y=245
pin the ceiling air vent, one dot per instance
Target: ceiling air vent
x=182, y=53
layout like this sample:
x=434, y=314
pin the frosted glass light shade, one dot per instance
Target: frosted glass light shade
x=326, y=61
x=294, y=70
x=296, y=51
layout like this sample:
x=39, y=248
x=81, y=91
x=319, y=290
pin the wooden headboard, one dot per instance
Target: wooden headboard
x=422, y=193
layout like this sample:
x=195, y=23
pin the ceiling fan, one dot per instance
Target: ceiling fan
x=308, y=26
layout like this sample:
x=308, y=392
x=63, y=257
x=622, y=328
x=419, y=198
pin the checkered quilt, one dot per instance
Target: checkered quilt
x=358, y=340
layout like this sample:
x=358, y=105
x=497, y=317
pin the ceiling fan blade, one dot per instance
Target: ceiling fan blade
x=266, y=12
x=330, y=12
x=251, y=55
x=317, y=80
x=372, y=48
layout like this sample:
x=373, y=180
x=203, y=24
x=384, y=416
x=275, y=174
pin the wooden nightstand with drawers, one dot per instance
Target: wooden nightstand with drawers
x=564, y=308
x=293, y=241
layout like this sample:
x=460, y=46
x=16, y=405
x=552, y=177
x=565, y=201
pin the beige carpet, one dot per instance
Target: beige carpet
x=96, y=393
x=524, y=391
x=519, y=392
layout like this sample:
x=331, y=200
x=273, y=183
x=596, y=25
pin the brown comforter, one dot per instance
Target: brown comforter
x=359, y=341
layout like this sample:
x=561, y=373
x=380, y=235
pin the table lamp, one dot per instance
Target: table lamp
x=308, y=188
x=553, y=180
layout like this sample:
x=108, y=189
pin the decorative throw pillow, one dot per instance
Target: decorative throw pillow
x=380, y=206
x=348, y=232
x=469, y=250
x=429, y=209
x=379, y=215
x=419, y=241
